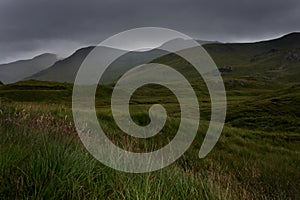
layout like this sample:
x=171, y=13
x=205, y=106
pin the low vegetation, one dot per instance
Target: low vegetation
x=257, y=156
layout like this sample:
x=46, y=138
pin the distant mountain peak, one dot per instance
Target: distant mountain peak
x=45, y=55
x=18, y=70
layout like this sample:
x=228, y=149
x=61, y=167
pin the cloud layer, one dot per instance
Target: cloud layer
x=29, y=27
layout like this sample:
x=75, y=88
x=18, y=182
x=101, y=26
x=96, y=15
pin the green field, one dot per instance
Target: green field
x=257, y=156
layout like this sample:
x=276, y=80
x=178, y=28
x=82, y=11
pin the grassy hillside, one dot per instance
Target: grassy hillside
x=275, y=60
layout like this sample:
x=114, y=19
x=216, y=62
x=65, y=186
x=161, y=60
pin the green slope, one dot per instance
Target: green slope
x=277, y=60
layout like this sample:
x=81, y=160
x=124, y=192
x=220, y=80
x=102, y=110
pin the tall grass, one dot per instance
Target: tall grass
x=42, y=158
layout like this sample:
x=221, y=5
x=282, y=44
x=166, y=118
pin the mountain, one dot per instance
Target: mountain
x=66, y=70
x=272, y=60
x=63, y=70
x=16, y=71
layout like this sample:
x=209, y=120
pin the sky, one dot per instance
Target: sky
x=32, y=27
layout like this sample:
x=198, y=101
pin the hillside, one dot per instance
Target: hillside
x=273, y=60
x=66, y=70
x=63, y=70
x=16, y=71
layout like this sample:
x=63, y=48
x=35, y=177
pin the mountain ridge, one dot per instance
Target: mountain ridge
x=277, y=56
x=18, y=70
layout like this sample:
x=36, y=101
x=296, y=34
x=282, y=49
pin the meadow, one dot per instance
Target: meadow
x=256, y=157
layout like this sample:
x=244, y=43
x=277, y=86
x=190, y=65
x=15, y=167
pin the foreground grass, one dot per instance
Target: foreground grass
x=42, y=158
x=41, y=161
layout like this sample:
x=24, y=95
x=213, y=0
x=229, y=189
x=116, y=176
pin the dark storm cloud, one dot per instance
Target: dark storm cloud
x=32, y=26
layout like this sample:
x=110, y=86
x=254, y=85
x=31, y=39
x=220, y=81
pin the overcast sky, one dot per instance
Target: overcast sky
x=31, y=27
